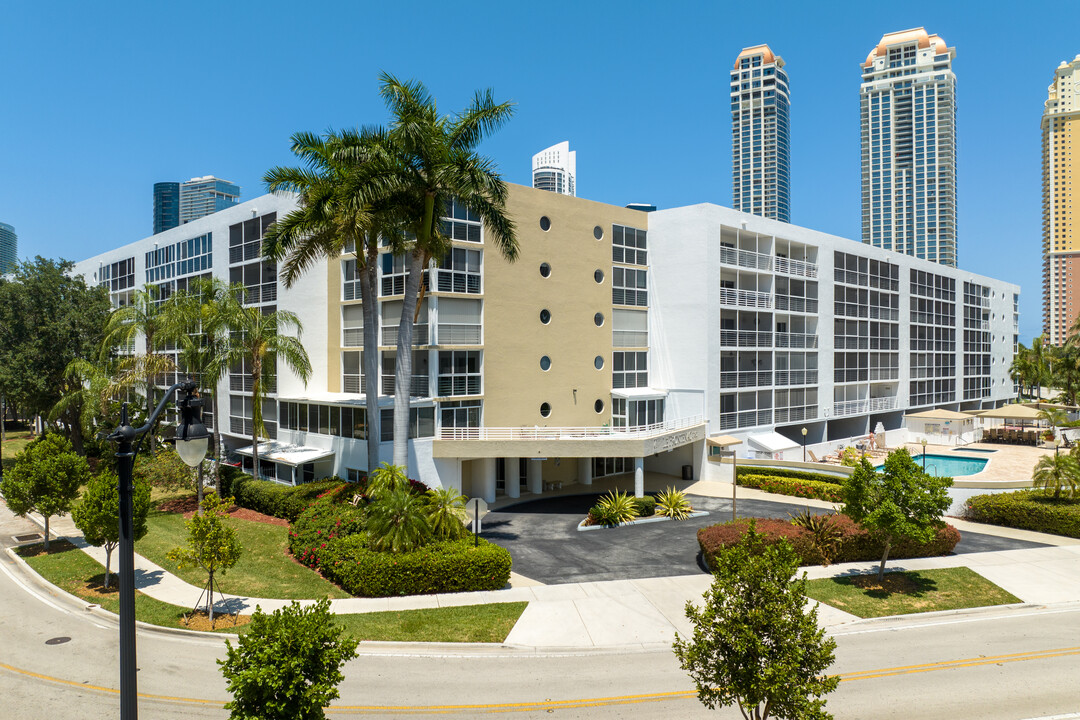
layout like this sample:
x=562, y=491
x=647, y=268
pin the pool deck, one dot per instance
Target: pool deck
x=1009, y=467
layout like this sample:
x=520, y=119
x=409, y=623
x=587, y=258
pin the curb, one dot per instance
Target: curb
x=582, y=527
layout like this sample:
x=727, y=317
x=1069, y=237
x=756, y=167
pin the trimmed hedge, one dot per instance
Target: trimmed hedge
x=281, y=501
x=441, y=567
x=1027, y=510
x=645, y=506
x=322, y=523
x=786, y=473
x=855, y=543
x=793, y=486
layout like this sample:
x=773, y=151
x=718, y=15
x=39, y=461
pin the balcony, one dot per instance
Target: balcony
x=453, y=385
x=244, y=383
x=798, y=268
x=794, y=340
x=390, y=335
x=745, y=338
x=796, y=304
x=745, y=258
x=419, y=387
x=747, y=378
x=745, y=298
x=850, y=407
x=880, y=373
x=882, y=403
x=796, y=377
x=458, y=334
x=568, y=433
x=880, y=313
x=746, y=418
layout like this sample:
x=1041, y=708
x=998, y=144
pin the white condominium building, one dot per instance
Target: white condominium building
x=555, y=170
x=908, y=120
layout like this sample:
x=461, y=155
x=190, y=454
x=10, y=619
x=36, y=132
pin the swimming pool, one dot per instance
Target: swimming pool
x=947, y=466
x=974, y=450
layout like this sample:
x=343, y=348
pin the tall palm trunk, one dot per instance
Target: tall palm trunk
x=369, y=296
x=256, y=413
x=403, y=369
x=217, y=443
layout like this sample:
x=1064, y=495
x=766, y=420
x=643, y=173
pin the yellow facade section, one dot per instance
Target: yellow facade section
x=333, y=326
x=516, y=339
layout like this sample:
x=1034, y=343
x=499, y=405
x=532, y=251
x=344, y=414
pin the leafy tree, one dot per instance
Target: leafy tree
x=1057, y=472
x=397, y=522
x=900, y=501
x=429, y=160
x=446, y=513
x=165, y=470
x=288, y=665
x=339, y=213
x=47, y=319
x=754, y=643
x=45, y=479
x=212, y=545
x=256, y=343
x=98, y=514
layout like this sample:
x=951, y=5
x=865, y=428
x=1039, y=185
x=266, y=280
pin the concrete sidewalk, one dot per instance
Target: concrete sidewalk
x=646, y=613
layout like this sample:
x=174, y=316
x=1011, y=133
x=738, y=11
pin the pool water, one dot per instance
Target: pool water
x=947, y=465
x=974, y=450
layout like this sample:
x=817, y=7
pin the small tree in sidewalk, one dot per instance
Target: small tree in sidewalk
x=45, y=479
x=754, y=643
x=288, y=665
x=212, y=545
x=900, y=501
x=98, y=515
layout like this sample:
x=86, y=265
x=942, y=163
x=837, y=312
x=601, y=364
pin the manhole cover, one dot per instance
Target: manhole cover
x=26, y=538
x=57, y=640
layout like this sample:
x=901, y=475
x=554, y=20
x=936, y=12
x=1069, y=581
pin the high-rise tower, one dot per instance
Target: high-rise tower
x=1061, y=202
x=204, y=195
x=908, y=119
x=760, y=154
x=166, y=206
x=9, y=248
x=555, y=169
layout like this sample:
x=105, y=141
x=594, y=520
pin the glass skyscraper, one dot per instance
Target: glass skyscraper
x=908, y=120
x=166, y=206
x=760, y=131
x=9, y=248
x=204, y=195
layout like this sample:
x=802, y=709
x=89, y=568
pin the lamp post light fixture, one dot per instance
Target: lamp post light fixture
x=804, y=444
x=192, y=440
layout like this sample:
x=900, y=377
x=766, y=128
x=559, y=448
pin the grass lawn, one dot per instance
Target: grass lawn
x=901, y=593
x=15, y=441
x=74, y=571
x=264, y=569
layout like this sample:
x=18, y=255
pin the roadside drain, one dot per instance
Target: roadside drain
x=27, y=538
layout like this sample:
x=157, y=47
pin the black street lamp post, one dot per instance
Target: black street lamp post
x=191, y=444
x=804, y=444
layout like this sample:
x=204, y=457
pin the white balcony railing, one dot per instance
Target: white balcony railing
x=390, y=335
x=745, y=258
x=800, y=268
x=850, y=407
x=882, y=403
x=458, y=334
x=794, y=340
x=745, y=338
x=745, y=298
x=568, y=433
x=417, y=388
x=745, y=378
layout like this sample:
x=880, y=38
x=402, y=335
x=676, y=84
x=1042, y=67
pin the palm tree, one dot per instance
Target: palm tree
x=430, y=159
x=195, y=320
x=1020, y=369
x=1057, y=471
x=1040, y=357
x=143, y=316
x=336, y=213
x=255, y=341
x=1054, y=417
x=84, y=397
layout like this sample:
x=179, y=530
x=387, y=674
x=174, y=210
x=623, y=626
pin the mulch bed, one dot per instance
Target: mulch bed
x=188, y=505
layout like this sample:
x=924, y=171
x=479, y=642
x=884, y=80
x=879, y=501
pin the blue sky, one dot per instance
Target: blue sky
x=101, y=100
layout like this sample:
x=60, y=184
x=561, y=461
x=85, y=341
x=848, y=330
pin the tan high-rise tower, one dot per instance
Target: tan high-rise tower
x=1061, y=202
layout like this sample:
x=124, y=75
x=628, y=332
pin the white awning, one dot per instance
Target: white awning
x=772, y=442
x=645, y=393
x=286, y=454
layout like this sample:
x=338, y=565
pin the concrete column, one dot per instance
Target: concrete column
x=639, y=477
x=513, y=477
x=486, y=485
x=584, y=471
x=535, y=475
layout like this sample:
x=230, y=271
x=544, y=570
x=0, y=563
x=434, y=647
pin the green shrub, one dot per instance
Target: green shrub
x=672, y=503
x=323, y=522
x=853, y=544
x=613, y=508
x=1027, y=510
x=441, y=567
x=645, y=506
x=793, y=486
x=165, y=470
x=282, y=501
x=744, y=470
x=228, y=475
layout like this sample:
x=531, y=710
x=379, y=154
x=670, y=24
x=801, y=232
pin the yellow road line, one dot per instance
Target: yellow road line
x=581, y=702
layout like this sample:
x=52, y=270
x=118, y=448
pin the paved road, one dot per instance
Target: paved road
x=543, y=539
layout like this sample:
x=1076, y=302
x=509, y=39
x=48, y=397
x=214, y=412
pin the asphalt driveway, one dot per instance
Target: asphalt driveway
x=546, y=546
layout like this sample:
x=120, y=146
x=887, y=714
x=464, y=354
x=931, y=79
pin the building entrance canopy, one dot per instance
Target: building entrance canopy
x=285, y=454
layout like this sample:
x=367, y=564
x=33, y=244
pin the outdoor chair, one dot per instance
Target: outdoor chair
x=812, y=456
x=1010, y=436
x=1031, y=437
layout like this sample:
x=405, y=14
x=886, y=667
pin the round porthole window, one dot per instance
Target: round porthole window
x=545, y=224
x=598, y=406
x=598, y=318
x=545, y=270
x=598, y=362
x=545, y=409
x=545, y=316
x=598, y=232
x=545, y=363
x=598, y=276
